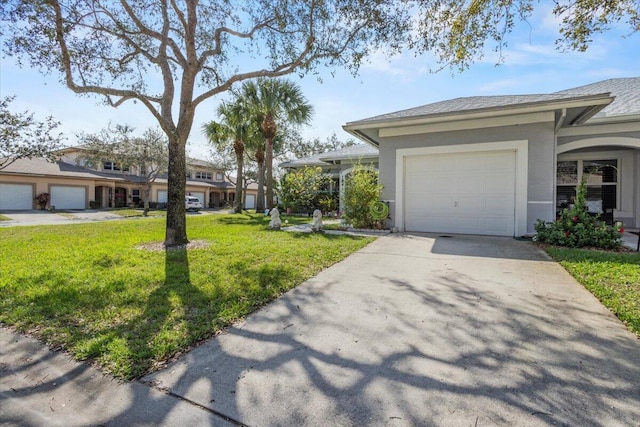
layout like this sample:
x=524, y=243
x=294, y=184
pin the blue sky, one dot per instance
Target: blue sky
x=532, y=64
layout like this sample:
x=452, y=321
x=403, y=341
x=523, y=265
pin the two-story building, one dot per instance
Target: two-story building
x=73, y=184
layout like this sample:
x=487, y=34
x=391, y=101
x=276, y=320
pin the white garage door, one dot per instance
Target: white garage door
x=66, y=197
x=250, y=201
x=16, y=197
x=470, y=193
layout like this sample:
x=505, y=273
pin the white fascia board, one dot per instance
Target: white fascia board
x=614, y=119
x=362, y=137
x=600, y=128
x=487, y=122
x=549, y=106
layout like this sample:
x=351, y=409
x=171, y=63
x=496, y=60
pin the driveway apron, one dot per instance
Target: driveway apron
x=420, y=329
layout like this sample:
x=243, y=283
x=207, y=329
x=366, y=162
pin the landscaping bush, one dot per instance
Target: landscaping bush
x=576, y=228
x=361, y=190
x=299, y=189
x=42, y=199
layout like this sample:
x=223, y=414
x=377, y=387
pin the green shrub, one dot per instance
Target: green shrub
x=576, y=228
x=361, y=190
x=299, y=188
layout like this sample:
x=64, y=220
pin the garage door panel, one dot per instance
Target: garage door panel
x=16, y=197
x=470, y=193
x=498, y=226
x=68, y=197
x=470, y=184
x=470, y=204
x=466, y=224
x=250, y=201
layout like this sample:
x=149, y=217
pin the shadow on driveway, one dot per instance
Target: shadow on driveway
x=420, y=330
x=411, y=330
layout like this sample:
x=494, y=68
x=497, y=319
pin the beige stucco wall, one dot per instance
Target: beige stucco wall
x=43, y=184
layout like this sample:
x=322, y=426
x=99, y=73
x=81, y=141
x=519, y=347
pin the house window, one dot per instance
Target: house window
x=601, y=177
x=112, y=166
x=219, y=176
x=203, y=175
x=135, y=194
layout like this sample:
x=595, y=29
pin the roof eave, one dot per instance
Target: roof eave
x=338, y=159
x=621, y=118
x=599, y=100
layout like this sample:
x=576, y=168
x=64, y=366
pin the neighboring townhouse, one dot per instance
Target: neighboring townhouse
x=73, y=185
x=495, y=164
x=338, y=164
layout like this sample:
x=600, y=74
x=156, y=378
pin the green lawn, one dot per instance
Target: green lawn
x=613, y=277
x=128, y=212
x=4, y=218
x=88, y=289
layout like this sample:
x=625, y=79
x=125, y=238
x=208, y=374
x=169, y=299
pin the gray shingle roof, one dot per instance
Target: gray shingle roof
x=468, y=104
x=40, y=166
x=625, y=90
x=352, y=152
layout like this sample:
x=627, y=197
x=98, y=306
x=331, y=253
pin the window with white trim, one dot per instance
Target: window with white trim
x=203, y=175
x=113, y=166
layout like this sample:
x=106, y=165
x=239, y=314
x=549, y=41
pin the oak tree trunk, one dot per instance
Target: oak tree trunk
x=176, y=232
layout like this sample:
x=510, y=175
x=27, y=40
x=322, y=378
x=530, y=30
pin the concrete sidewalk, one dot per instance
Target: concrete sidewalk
x=413, y=330
x=39, y=387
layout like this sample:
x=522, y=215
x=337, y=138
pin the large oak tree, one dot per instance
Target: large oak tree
x=172, y=55
x=23, y=137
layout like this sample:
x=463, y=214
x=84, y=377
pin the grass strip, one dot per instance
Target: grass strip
x=89, y=289
x=613, y=277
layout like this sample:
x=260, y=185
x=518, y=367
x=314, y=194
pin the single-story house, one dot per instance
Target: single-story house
x=337, y=164
x=72, y=184
x=494, y=165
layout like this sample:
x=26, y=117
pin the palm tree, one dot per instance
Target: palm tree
x=273, y=100
x=233, y=128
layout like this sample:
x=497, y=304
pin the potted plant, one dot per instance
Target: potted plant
x=43, y=200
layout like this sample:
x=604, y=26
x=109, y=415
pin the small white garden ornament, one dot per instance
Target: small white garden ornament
x=275, y=222
x=317, y=221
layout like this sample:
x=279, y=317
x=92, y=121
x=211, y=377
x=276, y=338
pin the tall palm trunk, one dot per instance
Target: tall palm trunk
x=269, y=129
x=238, y=147
x=269, y=172
x=260, y=160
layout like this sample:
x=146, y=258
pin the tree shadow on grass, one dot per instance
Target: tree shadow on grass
x=242, y=219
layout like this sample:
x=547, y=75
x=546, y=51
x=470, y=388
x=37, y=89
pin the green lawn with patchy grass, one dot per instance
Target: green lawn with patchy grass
x=129, y=212
x=613, y=277
x=90, y=290
x=4, y=218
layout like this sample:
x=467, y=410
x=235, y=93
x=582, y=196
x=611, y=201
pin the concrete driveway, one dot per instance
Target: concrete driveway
x=413, y=330
x=423, y=330
x=69, y=216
